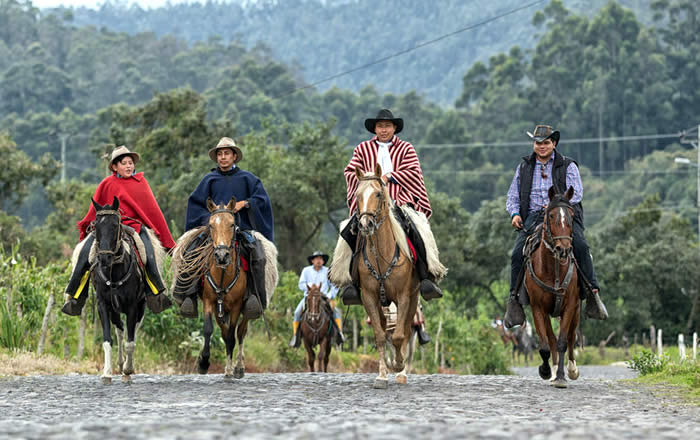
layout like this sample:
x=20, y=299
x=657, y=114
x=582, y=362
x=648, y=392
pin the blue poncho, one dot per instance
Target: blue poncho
x=221, y=186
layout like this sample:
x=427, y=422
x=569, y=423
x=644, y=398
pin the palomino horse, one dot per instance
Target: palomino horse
x=224, y=290
x=119, y=285
x=317, y=328
x=552, y=283
x=386, y=271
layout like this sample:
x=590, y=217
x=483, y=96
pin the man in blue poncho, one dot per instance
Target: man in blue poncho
x=254, y=212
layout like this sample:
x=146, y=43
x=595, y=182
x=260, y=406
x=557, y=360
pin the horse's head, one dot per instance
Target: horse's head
x=372, y=200
x=107, y=231
x=559, y=223
x=313, y=303
x=222, y=229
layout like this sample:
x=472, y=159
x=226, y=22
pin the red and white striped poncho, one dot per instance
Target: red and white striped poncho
x=407, y=172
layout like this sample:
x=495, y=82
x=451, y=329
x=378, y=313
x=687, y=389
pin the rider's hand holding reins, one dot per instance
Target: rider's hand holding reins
x=517, y=222
x=240, y=205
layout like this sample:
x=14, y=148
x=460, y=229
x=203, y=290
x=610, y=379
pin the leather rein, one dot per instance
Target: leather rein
x=379, y=218
x=560, y=286
x=316, y=329
x=219, y=288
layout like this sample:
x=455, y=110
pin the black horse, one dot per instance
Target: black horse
x=120, y=285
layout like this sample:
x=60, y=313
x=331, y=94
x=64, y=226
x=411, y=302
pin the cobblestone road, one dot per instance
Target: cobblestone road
x=343, y=406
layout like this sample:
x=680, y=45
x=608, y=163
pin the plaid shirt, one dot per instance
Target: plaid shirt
x=540, y=186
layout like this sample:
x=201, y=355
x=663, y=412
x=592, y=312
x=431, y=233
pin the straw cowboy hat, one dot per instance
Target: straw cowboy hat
x=123, y=151
x=226, y=142
x=384, y=115
x=318, y=254
x=542, y=132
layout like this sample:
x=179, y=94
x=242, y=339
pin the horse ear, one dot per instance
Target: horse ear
x=210, y=204
x=231, y=204
x=570, y=193
x=308, y=287
x=95, y=204
x=378, y=170
x=551, y=193
x=115, y=203
x=358, y=173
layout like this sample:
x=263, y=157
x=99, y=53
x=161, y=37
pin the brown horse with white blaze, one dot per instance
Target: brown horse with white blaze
x=224, y=289
x=386, y=272
x=552, y=284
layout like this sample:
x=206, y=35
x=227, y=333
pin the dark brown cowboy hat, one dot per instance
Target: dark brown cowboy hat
x=226, y=142
x=542, y=132
x=318, y=254
x=122, y=151
x=384, y=115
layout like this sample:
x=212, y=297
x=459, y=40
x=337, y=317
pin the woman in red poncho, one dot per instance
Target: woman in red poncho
x=139, y=210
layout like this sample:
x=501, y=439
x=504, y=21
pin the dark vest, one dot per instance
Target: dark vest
x=527, y=168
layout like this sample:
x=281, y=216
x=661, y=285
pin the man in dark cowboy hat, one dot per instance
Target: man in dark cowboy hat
x=254, y=212
x=315, y=274
x=527, y=198
x=403, y=177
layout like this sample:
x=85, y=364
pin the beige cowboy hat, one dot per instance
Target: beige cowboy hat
x=226, y=142
x=123, y=151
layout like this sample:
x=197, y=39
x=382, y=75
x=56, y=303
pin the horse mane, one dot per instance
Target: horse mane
x=396, y=229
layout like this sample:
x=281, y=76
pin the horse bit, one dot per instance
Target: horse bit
x=218, y=288
x=558, y=289
x=373, y=248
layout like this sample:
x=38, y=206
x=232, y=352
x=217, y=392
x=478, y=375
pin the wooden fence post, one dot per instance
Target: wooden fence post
x=695, y=346
x=652, y=338
x=681, y=347
x=437, y=342
x=45, y=325
x=659, y=343
x=81, y=333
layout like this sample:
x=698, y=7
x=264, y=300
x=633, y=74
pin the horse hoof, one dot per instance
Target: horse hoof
x=238, y=372
x=402, y=379
x=381, y=384
x=106, y=380
x=560, y=383
x=545, y=372
x=228, y=377
x=126, y=378
x=573, y=375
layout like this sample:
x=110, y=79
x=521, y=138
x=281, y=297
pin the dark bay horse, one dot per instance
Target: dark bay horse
x=317, y=328
x=120, y=288
x=552, y=283
x=224, y=289
x=386, y=272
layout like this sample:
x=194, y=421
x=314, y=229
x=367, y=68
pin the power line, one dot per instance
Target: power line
x=410, y=49
x=562, y=142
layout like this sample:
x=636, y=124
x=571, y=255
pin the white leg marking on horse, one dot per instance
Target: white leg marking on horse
x=228, y=371
x=573, y=370
x=129, y=366
x=107, y=371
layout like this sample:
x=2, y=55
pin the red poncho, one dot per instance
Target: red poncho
x=407, y=172
x=136, y=200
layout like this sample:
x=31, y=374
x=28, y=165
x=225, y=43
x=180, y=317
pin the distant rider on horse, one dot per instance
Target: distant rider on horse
x=254, y=212
x=316, y=274
x=527, y=199
x=139, y=212
x=401, y=173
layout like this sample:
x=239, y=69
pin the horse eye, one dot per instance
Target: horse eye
x=377, y=195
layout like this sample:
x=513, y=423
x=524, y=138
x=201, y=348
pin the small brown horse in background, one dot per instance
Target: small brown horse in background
x=386, y=272
x=552, y=283
x=317, y=328
x=224, y=290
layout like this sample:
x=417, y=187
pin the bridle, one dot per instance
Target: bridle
x=378, y=216
x=219, y=289
x=112, y=252
x=315, y=317
x=560, y=286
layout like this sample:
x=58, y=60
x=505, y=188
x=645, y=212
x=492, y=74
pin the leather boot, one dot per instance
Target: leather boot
x=256, y=302
x=295, y=336
x=351, y=295
x=595, y=309
x=428, y=289
x=515, y=316
x=423, y=337
x=79, y=282
x=340, y=337
x=156, y=297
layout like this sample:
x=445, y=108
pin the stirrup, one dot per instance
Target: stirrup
x=71, y=307
x=293, y=341
x=429, y=290
x=515, y=315
x=158, y=303
x=188, y=308
x=595, y=309
x=252, y=309
x=351, y=296
x=423, y=337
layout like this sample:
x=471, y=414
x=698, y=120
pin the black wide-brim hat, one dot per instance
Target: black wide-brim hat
x=384, y=115
x=318, y=254
x=542, y=132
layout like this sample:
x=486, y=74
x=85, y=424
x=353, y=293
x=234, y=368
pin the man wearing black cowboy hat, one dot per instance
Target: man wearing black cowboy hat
x=315, y=274
x=403, y=177
x=253, y=212
x=527, y=198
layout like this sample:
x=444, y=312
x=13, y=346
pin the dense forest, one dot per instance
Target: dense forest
x=615, y=74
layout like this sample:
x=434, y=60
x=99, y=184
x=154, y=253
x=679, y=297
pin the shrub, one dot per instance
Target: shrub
x=646, y=362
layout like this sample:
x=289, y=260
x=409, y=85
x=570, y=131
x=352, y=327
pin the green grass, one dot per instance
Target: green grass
x=679, y=380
